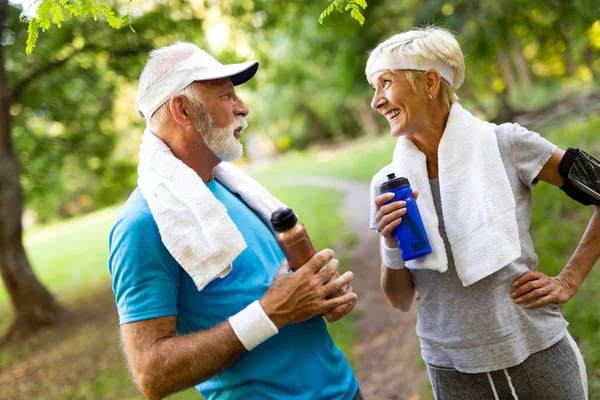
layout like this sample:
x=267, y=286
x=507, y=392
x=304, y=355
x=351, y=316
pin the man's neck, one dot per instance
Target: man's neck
x=189, y=147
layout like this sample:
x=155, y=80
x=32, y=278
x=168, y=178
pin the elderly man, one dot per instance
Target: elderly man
x=203, y=291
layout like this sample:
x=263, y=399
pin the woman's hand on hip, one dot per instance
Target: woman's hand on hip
x=389, y=216
x=536, y=289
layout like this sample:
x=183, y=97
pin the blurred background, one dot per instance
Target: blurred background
x=69, y=118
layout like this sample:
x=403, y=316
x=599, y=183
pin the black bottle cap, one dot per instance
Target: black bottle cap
x=283, y=219
x=393, y=183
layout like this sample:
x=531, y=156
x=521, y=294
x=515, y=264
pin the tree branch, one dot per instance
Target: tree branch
x=21, y=85
x=18, y=89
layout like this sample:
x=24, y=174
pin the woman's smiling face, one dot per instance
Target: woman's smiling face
x=396, y=100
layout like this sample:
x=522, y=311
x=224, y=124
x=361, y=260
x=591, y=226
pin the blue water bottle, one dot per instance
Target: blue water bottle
x=411, y=235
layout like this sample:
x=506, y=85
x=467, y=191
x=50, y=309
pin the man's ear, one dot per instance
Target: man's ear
x=181, y=110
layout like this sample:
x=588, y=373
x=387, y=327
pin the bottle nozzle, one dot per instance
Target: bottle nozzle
x=391, y=176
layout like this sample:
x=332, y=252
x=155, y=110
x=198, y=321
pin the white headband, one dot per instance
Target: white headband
x=200, y=66
x=391, y=62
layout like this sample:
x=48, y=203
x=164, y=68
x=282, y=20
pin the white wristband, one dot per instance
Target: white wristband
x=392, y=258
x=253, y=326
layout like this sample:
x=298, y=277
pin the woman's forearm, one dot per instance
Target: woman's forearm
x=586, y=255
x=398, y=287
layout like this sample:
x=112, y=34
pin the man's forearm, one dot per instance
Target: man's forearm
x=587, y=253
x=174, y=363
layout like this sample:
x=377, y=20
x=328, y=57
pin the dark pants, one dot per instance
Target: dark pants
x=556, y=373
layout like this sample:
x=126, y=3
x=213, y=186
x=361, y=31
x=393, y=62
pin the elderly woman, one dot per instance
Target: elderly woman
x=489, y=324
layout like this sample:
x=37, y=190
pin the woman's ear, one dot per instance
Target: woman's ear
x=181, y=110
x=433, y=82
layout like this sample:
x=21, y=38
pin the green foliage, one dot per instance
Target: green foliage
x=32, y=34
x=353, y=6
x=51, y=12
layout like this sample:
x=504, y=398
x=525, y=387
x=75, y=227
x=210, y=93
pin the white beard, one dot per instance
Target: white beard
x=223, y=143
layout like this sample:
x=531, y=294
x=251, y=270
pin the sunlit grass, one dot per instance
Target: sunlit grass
x=355, y=160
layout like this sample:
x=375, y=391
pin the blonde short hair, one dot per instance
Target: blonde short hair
x=429, y=43
x=161, y=61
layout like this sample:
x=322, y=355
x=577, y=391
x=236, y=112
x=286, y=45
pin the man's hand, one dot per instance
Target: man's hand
x=308, y=291
x=341, y=311
x=537, y=289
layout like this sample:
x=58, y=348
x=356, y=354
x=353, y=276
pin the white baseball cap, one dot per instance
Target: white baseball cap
x=200, y=66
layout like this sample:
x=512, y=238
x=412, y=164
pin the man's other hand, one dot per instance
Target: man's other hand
x=314, y=289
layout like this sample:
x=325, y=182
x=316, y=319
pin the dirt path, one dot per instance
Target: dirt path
x=387, y=352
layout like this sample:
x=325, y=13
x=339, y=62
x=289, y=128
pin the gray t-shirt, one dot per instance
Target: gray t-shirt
x=479, y=328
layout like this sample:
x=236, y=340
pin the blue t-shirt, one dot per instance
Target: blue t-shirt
x=300, y=362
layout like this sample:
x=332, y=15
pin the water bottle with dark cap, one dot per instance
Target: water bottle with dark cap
x=292, y=237
x=411, y=235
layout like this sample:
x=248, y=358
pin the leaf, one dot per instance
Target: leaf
x=361, y=3
x=33, y=31
x=70, y=7
x=126, y=20
x=44, y=16
x=57, y=14
x=88, y=7
x=111, y=18
x=357, y=15
x=345, y=5
x=327, y=11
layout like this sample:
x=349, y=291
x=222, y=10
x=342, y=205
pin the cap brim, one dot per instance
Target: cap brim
x=238, y=73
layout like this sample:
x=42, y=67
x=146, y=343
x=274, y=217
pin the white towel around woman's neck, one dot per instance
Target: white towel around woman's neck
x=194, y=226
x=477, y=201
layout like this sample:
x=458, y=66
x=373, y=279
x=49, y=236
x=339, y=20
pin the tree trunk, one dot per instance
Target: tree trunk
x=588, y=59
x=567, y=54
x=34, y=307
x=506, y=70
x=523, y=68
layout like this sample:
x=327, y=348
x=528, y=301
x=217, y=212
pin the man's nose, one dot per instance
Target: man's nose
x=241, y=108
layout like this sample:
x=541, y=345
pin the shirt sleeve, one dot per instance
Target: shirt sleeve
x=145, y=275
x=529, y=151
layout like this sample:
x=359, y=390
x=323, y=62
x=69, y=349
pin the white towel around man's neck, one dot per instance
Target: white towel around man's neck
x=194, y=226
x=477, y=201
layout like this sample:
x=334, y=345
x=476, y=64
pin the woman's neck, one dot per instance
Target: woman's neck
x=428, y=138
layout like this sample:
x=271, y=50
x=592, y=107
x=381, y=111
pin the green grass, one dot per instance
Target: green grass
x=356, y=160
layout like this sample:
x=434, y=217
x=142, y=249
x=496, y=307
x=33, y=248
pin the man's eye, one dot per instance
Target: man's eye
x=386, y=82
